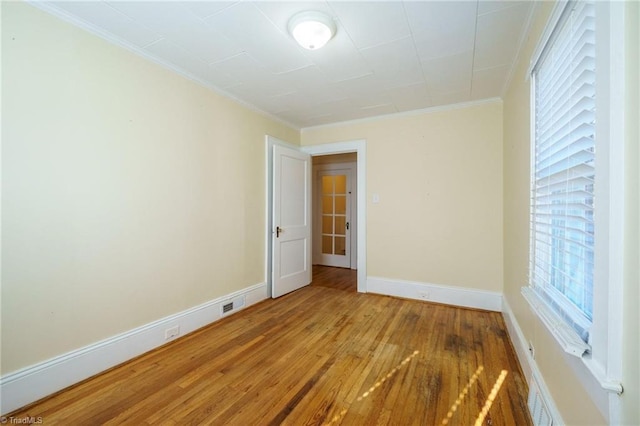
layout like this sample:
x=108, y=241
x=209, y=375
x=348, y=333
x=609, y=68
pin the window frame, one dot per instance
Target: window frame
x=568, y=322
x=599, y=370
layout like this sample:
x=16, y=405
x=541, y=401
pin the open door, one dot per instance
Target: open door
x=291, y=227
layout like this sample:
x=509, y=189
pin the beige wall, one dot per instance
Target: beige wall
x=439, y=177
x=570, y=396
x=128, y=193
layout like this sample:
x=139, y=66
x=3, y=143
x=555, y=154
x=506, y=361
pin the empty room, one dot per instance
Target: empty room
x=320, y=212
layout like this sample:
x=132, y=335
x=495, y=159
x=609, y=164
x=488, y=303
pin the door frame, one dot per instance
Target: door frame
x=359, y=147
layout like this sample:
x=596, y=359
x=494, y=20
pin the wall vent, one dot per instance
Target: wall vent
x=231, y=306
x=538, y=407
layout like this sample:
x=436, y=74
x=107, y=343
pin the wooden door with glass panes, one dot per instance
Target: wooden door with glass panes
x=335, y=213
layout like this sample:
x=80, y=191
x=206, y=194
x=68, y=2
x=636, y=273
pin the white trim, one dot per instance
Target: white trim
x=359, y=147
x=569, y=340
x=450, y=295
x=584, y=369
x=607, y=368
x=527, y=361
x=49, y=7
x=410, y=113
x=32, y=383
x=590, y=376
x=518, y=339
x=564, y=334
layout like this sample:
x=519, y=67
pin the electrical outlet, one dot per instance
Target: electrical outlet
x=424, y=295
x=172, y=333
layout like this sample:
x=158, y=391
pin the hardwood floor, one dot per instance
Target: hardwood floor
x=317, y=356
x=336, y=278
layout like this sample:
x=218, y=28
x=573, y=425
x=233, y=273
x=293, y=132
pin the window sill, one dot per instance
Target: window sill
x=569, y=340
x=566, y=336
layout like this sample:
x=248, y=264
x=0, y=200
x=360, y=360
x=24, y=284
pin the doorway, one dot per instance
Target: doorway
x=356, y=146
x=335, y=210
x=359, y=147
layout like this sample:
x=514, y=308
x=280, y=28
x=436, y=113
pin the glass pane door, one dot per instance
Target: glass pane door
x=334, y=214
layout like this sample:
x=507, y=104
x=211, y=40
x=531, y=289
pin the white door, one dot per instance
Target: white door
x=291, y=220
x=334, y=211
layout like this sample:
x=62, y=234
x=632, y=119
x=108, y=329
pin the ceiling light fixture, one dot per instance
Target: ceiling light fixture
x=312, y=29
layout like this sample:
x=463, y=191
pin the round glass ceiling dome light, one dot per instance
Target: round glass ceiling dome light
x=312, y=29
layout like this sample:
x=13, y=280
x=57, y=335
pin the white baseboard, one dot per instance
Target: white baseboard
x=450, y=295
x=32, y=383
x=520, y=343
x=528, y=363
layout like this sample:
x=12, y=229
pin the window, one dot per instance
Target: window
x=577, y=190
x=563, y=169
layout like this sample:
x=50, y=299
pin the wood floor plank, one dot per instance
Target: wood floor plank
x=323, y=355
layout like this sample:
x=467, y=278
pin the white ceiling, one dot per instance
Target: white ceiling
x=386, y=57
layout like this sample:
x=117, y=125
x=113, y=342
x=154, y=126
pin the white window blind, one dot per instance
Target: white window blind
x=562, y=201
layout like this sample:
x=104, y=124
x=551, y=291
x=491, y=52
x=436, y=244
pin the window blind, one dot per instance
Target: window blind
x=562, y=201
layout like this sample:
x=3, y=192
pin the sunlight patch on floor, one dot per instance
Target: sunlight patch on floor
x=378, y=383
x=492, y=396
x=462, y=394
